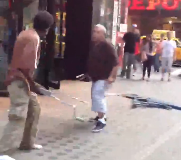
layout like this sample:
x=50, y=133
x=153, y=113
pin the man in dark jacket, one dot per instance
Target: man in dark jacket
x=130, y=39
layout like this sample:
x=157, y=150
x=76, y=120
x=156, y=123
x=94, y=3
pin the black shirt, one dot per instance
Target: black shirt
x=130, y=40
x=101, y=60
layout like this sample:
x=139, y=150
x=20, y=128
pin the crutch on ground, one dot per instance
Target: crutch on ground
x=49, y=94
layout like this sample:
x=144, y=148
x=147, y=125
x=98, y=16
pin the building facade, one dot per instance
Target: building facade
x=70, y=36
x=150, y=15
x=113, y=15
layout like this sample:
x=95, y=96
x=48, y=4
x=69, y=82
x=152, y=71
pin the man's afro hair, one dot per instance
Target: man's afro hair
x=43, y=20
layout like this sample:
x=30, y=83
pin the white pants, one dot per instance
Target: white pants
x=98, y=96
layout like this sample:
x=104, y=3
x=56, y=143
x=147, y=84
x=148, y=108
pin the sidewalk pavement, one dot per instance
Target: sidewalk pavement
x=130, y=134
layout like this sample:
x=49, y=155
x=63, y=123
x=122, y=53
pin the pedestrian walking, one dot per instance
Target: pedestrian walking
x=168, y=55
x=158, y=54
x=102, y=68
x=147, y=56
x=21, y=87
x=137, y=51
x=130, y=40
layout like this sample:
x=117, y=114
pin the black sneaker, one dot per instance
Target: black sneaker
x=99, y=127
x=95, y=119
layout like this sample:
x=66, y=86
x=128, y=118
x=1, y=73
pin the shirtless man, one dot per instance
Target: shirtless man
x=21, y=87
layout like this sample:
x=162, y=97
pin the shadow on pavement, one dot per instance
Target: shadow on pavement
x=140, y=80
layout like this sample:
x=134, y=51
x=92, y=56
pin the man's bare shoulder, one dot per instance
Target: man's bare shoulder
x=30, y=35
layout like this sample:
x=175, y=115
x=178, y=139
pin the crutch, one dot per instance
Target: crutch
x=49, y=94
x=70, y=105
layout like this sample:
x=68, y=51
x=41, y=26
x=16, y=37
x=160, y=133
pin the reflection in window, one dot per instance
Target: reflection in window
x=60, y=31
x=103, y=14
x=3, y=35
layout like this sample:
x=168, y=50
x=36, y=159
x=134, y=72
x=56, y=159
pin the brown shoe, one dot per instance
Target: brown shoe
x=14, y=117
x=25, y=147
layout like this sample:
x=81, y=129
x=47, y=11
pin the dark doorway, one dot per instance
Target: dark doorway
x=78, y=35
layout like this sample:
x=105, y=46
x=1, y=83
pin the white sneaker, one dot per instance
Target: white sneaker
x=36, y=146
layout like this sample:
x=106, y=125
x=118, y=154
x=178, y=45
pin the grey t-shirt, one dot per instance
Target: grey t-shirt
x=146, y=49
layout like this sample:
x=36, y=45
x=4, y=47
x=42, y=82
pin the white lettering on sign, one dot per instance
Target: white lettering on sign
x=115, y=18
x=123, y=28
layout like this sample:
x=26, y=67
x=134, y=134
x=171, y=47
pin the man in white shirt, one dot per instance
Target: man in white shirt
x=168, y=55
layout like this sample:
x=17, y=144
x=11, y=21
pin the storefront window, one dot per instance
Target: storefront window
x=60, y=18
x=3, y=26
x=60, y=30
x=107, y=19
x=28, y=14
x=103, y=13
x=3, y=35
x=3, y=29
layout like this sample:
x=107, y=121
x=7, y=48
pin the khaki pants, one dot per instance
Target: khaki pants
x=19, y=101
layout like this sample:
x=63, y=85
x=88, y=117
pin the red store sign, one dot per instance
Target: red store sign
x=154, y=4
